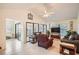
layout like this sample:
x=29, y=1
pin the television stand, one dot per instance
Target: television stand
x=55, y=35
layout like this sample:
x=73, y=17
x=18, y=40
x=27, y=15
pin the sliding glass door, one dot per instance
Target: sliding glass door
x=40, y=28
x=29, y=30
x=36, y=29
x=44, y=28
x=63, y=30
x=32, y=28
x=18, y=31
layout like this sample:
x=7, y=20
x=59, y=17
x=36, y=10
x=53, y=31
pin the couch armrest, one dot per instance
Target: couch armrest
x=70, y=41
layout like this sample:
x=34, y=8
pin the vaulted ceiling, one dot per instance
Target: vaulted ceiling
x=58, y=10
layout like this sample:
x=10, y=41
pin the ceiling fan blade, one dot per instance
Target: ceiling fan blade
x=51, y=13
x=46, y=15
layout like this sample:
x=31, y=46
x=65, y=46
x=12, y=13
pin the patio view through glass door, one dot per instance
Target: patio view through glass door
x=63, y=30
x=40, y=28
x=32, y=28
x=44, y=28
x=29, y=30
x=18, y=31
x=36, y=27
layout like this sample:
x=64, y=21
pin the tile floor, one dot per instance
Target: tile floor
x=15, y=47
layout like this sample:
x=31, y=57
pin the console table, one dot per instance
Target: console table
x=55, y=35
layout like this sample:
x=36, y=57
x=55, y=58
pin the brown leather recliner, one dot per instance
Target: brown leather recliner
x=44, y=41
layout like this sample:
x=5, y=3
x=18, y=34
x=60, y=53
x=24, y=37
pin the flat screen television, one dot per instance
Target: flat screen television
x=55, y=29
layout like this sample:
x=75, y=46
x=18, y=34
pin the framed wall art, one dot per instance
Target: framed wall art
x=30, y=16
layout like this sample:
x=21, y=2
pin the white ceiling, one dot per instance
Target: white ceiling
x=60, y=10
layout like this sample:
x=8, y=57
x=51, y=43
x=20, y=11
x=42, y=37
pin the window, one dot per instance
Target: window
x=36, y=27
x=40, y=28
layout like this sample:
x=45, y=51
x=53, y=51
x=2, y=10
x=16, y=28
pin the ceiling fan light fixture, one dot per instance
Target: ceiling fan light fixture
x=46, y=15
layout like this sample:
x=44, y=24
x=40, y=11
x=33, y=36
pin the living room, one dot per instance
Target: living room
x=38, y=18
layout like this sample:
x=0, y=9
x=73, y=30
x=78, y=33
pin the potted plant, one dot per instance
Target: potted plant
x=70, y=33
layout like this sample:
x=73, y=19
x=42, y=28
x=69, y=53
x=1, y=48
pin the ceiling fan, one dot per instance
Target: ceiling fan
x=46, y=14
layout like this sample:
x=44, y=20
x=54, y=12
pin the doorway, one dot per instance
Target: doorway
x=10, y=28
x=29, y=30
x=13, y=36
x=32, y=28
x=18, y=31
x=13, y=29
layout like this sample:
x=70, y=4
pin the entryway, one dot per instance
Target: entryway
x=13, y=35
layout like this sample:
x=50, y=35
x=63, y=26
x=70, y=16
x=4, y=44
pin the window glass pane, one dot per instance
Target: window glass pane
x=45, y=29
x=10, y=27
x=18, y=31
x=29, y=30
x=48, y=27
x=78, y=29
x=35, y=27
x=63, y=29
x=40, y=28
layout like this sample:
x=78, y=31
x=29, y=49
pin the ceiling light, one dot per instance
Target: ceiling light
x=46, y=15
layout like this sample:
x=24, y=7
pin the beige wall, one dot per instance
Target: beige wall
x=2, y=31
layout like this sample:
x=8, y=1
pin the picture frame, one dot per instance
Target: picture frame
x=30, y=16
